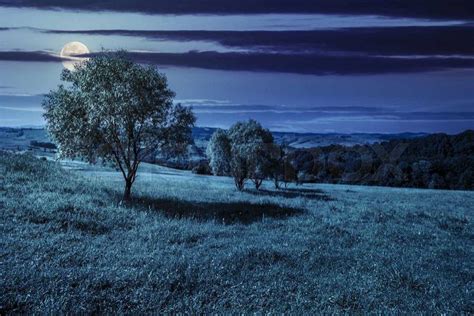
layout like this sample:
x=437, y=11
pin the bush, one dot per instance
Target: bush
x=202, y=168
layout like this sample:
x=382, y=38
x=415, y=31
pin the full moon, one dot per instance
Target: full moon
x=70, y=51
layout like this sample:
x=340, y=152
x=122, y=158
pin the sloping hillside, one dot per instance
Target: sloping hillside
x=193, y=244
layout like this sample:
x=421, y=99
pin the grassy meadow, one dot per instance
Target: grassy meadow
x=193, y=244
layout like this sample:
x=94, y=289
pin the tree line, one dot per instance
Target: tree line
x=437, y=161
x=247, y=152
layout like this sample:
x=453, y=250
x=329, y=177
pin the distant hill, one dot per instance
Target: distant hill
x=307, y=140
x=20, y=139
x=35, y=139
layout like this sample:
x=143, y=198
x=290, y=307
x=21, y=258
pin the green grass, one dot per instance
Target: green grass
x=194, y=244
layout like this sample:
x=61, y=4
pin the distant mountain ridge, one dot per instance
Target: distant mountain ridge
x=12, y=138
x=309, y=140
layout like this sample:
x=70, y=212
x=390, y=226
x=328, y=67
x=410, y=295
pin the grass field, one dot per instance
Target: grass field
x=192, y=244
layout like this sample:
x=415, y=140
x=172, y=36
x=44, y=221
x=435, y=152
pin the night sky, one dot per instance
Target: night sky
x=300, y=66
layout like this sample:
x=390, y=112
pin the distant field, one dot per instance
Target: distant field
x=193, y=244
x=20, y=138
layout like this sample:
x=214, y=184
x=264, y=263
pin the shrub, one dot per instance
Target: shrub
x=202, y=168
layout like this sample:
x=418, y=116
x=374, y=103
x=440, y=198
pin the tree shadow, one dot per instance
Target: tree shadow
x=303, y=190
x=293, y=193
x=220, y=212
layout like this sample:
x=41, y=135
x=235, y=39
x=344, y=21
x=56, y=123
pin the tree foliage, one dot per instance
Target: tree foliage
x=218, y=153
x=114, y=110
x=242, y=152
x=437, y=161
x=276, y=164
x=249, y=143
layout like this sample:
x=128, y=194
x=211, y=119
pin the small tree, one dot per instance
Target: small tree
x=239, y=171
x=249, y=142
x=289, y=172
x=262, y=160
x=115, y=110
x=218, y=153
x=276, y=164
x=243, y=152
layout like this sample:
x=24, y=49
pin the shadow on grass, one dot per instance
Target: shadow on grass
x=293, y=193
x=220, y=212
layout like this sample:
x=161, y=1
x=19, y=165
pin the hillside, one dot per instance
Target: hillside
x=193, y=244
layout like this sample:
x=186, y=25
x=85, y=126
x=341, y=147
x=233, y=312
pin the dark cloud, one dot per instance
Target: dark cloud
x=284, y=63
x=28, y=56
x=301, y=63
x=437, y=9
x=442, y=40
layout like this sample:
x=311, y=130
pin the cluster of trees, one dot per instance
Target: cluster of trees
x=44, y=145
x=247, y=152
x=437, y=161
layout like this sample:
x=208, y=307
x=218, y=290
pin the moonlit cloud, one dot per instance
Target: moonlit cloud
x=29, y=56
x=312, y=64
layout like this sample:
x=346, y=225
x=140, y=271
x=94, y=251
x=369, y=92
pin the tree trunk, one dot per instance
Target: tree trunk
x=276, y=182
x=239, y=183
x=258, y=183
x=127, y=193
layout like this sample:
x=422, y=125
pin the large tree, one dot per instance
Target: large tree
x=114, y=110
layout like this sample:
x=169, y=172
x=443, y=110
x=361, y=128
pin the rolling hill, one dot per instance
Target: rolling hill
x=193, y=244
x=21, y=138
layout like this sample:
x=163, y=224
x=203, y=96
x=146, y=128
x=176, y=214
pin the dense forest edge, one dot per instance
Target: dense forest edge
x=437, y=161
